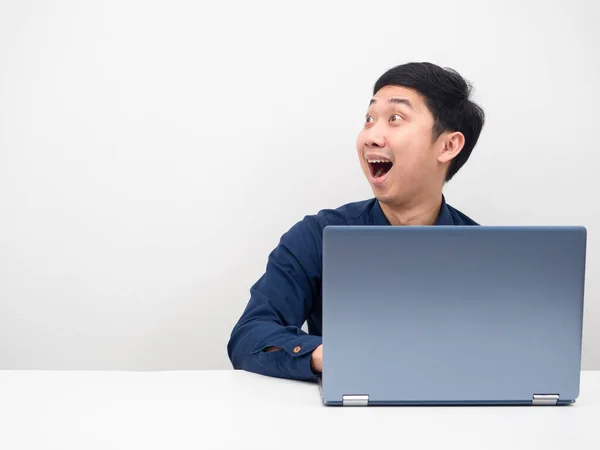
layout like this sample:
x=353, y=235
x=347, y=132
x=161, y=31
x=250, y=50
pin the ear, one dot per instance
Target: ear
x=453, y=143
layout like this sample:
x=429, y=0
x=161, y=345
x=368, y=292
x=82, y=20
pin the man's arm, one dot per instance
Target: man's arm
x=268, y=338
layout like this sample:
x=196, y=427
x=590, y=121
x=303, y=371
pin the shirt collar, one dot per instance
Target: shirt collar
x=444, y=217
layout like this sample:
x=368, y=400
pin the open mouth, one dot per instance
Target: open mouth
x=379, y=167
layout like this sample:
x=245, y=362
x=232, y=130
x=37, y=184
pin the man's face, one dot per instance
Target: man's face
x=398, y=130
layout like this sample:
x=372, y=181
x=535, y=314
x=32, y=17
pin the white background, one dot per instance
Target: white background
x=152, y=153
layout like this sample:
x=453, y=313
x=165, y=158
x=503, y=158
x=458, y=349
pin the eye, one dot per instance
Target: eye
x=369, y=119
x=395, y=118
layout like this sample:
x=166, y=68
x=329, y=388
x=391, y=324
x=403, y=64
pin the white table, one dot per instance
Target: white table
x=85, y=410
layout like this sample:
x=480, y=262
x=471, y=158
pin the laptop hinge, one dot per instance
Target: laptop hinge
x=545, y=399
x=355, y=400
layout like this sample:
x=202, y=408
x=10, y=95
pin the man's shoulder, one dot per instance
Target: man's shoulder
x=307, y=234
x=354, y=213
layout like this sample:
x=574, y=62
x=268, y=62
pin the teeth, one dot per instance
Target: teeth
x=378, y=173
x=371, y=161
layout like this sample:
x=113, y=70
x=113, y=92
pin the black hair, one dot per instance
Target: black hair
x=446, y=95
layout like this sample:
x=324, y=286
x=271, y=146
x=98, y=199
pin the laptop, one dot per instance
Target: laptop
x=452, y=315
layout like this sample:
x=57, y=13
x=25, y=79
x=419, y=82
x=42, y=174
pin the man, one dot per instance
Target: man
x=419, y=130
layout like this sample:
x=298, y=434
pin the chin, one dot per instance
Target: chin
x=383, y=197
x=388, y=198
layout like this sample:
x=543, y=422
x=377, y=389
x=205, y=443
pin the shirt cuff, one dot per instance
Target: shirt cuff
x=301, y=349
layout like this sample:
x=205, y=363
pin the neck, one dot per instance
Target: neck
x=422, y=211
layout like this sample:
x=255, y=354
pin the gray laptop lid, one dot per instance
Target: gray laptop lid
x=446, y=314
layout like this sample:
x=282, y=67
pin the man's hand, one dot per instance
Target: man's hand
x=316, y=359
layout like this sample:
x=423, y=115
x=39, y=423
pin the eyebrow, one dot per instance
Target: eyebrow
x=396, y=100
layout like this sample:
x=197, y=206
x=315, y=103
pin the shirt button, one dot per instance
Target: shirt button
x=297, y=349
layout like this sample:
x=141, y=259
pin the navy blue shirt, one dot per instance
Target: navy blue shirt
x=289, y=294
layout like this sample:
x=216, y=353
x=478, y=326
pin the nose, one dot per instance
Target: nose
x=374, y=138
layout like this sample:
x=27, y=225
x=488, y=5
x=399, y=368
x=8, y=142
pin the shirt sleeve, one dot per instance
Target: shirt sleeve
x=280, y=302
